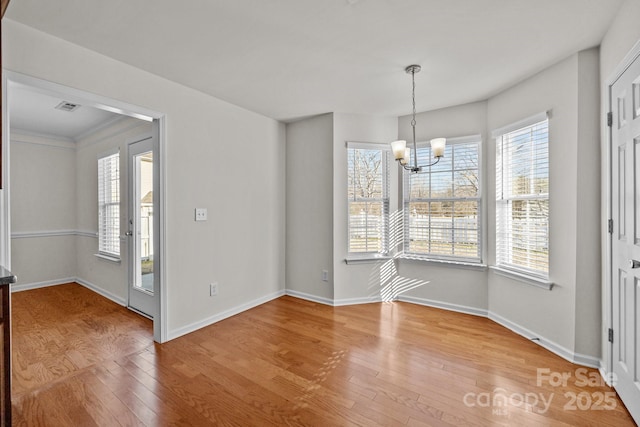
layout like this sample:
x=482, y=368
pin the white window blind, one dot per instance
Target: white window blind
x=442, y=204
x=522, y=205
x=109, y=205
x=368, y=198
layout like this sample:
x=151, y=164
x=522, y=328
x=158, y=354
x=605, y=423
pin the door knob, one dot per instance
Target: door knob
x=634, y=263
x=130, y=233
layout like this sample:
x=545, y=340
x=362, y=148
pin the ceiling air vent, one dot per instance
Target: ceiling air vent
x=67, y=106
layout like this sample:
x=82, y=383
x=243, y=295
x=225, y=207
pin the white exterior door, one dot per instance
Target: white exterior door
x=142, y=228
x=625, y=131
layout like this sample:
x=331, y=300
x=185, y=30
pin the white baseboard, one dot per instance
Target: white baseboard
x=57, y=282
x=221, y=316
x=97, y=289
x=353, y=301
x=577, y=358
x=605, y=374
x=309, y=297
x=444, y=305
x=38, y=285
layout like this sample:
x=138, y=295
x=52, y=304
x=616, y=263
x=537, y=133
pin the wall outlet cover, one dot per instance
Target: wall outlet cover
x=201, y=214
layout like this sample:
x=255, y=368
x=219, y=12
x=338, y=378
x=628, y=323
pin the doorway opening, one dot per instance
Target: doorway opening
x=111, y=117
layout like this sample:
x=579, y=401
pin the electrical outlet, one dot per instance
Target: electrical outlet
x=201, y=214
x=213, y=289
x=325, y=275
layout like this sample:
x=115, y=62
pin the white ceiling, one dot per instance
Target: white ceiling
x=36, y=113
x=294, y=58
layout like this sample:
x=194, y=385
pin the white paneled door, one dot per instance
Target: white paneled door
x=625, y=131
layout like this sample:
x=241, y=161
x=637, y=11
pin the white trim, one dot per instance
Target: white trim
x=369, y=259
x=161, y=332
x=52, y=233
x=21, y=136
x=356, y=301
x=97, y=289
x=223, y=315
x=37, y=285
x=309, y=297
x=67, y=280
x=5, y=212
x=44, y=233
x=523, y=278
x=528, y=121
x=86, y=233
x=451, y=141
x=443, y=305
x=78, y=96
x=577, y=358
x=443, y=262
x=629, y=58
x=606, y=374
x=108, y=257
x=369, y=145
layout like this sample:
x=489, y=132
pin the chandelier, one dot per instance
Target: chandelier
x=401, y=152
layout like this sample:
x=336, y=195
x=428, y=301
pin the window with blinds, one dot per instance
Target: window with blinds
x=368, y=198
x=109, y=205
x=522, y=205
x=442, y=204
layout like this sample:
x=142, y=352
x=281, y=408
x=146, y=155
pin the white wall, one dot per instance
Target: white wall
x=588, y=220
x=566, y=318
x=356, y=282
x=242, y=244
x=553, y=315
x=309, y=243
x=447, y=284
x=110, y=278
x=43, y=200
x=621, y=37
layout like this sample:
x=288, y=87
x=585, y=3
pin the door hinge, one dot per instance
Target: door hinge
x=609, y=119
x=610, y=335
x=610, y=226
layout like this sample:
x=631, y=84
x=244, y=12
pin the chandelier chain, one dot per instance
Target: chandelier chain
x=413, y=97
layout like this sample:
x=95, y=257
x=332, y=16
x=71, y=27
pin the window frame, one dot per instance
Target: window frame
x=519, y=272
x=385, y=149
x=113, y=234
x=406, y=200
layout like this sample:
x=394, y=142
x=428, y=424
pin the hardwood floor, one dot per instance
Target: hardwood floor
x=81, y=360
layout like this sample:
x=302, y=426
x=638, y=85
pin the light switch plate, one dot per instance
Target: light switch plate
x=201, y=214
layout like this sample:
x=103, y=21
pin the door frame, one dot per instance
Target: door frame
x=606, y=364
x=11, y=78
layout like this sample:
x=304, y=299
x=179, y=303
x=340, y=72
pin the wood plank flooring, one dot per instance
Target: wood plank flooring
x=81, y=360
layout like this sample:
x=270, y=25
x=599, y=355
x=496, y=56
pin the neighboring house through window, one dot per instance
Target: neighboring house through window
x=368, y=198
x=109, y=205
x=442, y=204
x=522, y=197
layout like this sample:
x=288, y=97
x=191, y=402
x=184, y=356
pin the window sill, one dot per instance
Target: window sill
x=524, y=278
x=108, y=258
x=445, y=263
x=368, y=259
